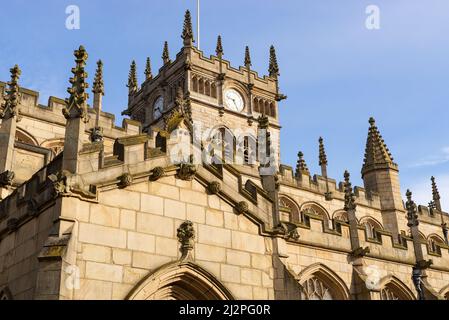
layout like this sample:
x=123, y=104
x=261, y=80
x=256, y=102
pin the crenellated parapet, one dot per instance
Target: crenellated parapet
x=52, y=113
x=321, y=185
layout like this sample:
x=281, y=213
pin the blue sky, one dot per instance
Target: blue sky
x=335, y=72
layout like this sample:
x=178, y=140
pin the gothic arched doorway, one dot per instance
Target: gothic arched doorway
x=180, y=281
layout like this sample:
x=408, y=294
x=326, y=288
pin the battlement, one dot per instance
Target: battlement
x=52, y=114
x=427, y=215
x=209, y=64
x=314, y=231
x=321, y=185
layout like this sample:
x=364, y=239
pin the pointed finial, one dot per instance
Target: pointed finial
x=273, y=68
x=247, y=57
x=435, y=192
x=377, y=154
x=166, y=54
x=187, y=32
x=219, y=49
x=322, y=157
x=77, y=102
x=12, y=95
x=98, y=86
x=132, y=78
x=349, y=194
x=148, y=73
x=301, y=166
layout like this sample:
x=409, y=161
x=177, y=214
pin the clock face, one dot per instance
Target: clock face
x=234, y=101
x=158, y=107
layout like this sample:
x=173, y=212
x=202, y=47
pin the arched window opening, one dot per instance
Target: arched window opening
x=321, y=283
x=201, y=86
x=250, y=150
x=372, y=229
x=161, y=143
x=5, y=294
x=256, y=105
x=213, y=89
x=315, y=289
x=56, y=146
x=267, y=108
x=222, y=146
x=195, y=84
x=207, y=88
x=314, y=209
x=434, y=245
x=272, y=110
x=292, y=207
x=396, y=290
x=24, y=137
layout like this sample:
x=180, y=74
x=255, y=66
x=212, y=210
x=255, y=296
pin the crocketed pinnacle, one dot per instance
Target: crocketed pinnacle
x=247, y=57
x=132, y=78
x=377, y=155
x=98, y=86
x=435, y=192
x=166, y=54
x=322, y=156
x=148, y=72
x=349, y=194
x=219, y=49
x=77, y=102
x=187, y=32
x=301, y=166
x=273, y=68
x=12, y=95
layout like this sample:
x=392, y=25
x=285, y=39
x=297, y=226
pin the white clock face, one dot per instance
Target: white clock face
x=158, y=107
x=234, y=101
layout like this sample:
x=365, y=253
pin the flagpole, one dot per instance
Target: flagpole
x=198, y=23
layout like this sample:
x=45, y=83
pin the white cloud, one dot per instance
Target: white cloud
x=422, y=191
x=433, y=160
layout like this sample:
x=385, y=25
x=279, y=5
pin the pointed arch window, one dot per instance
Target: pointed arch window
x=396, y=290
x=372, y=229
x=222, y=146
x=321, y=283
x=434, y=244
x=388, y=294
x=315, y=209
x=315, y=289
x=292, y=207
x=5, y=294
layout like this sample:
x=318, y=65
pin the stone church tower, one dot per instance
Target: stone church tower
x=189, y=200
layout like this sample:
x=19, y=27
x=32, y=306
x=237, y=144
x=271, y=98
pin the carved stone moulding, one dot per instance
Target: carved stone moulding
x=7, y=178
x=186, y=171
x=186, y=237
x=214, y=187
x=157, y=173
x=125, y=180
x=242, y=207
